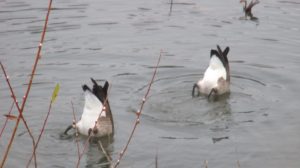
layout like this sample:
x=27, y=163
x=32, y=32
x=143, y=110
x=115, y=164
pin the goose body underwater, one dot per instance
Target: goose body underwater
x=96, y=119
x=216, y=79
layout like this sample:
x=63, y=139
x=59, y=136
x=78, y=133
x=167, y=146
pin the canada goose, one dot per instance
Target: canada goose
x=247, y=9
x=96, y=119
x=216, y=78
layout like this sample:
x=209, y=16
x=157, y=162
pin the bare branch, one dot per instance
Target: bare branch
x=76, y=131
x=104, y=151
x=4, y=125
x=27, y=92
x=83, y=151
x=89, y=137
x=20, y=116
x=43, y=128
x=171, y=7
x=138, y=113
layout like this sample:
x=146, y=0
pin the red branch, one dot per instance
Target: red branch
x=20, y=112
x=138, y=113
x=89, y=137
x=86, y=144
x=41, y=133
x=28, y=90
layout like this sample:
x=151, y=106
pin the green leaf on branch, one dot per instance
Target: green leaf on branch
x=55, y=93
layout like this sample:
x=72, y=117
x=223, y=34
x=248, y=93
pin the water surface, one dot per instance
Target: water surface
x=257, y=124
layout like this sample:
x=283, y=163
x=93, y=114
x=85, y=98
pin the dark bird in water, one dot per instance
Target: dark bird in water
x=216, y=79
x=248, y=8
x=96, y=119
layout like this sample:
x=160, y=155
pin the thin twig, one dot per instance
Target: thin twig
x=4, y=125
x=104, y=151
x=138, y=113
x=171, y=7
x=38, y=55
x=41, y=133
x=205, y=164
x=238, y=164
x=83, y=151
x=156, y=159
x=76, y=131
x=89, y=137
x=20, y=116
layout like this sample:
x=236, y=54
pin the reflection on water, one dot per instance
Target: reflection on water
x=99, y=153
x=119, y=41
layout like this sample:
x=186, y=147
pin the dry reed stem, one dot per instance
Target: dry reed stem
x=89, y=137
x=28, y=90
x=4, y=125
x=138, y=113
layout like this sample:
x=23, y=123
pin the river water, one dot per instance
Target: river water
x=257, y=125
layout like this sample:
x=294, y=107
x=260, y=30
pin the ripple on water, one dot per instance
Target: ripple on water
x=290, y=2
x=171, y=102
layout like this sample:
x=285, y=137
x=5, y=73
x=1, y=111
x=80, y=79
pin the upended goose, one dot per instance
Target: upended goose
x=216, y=80
x=96, y=119
x=248, y=9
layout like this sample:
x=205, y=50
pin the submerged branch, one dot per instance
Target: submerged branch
x=104, y=151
